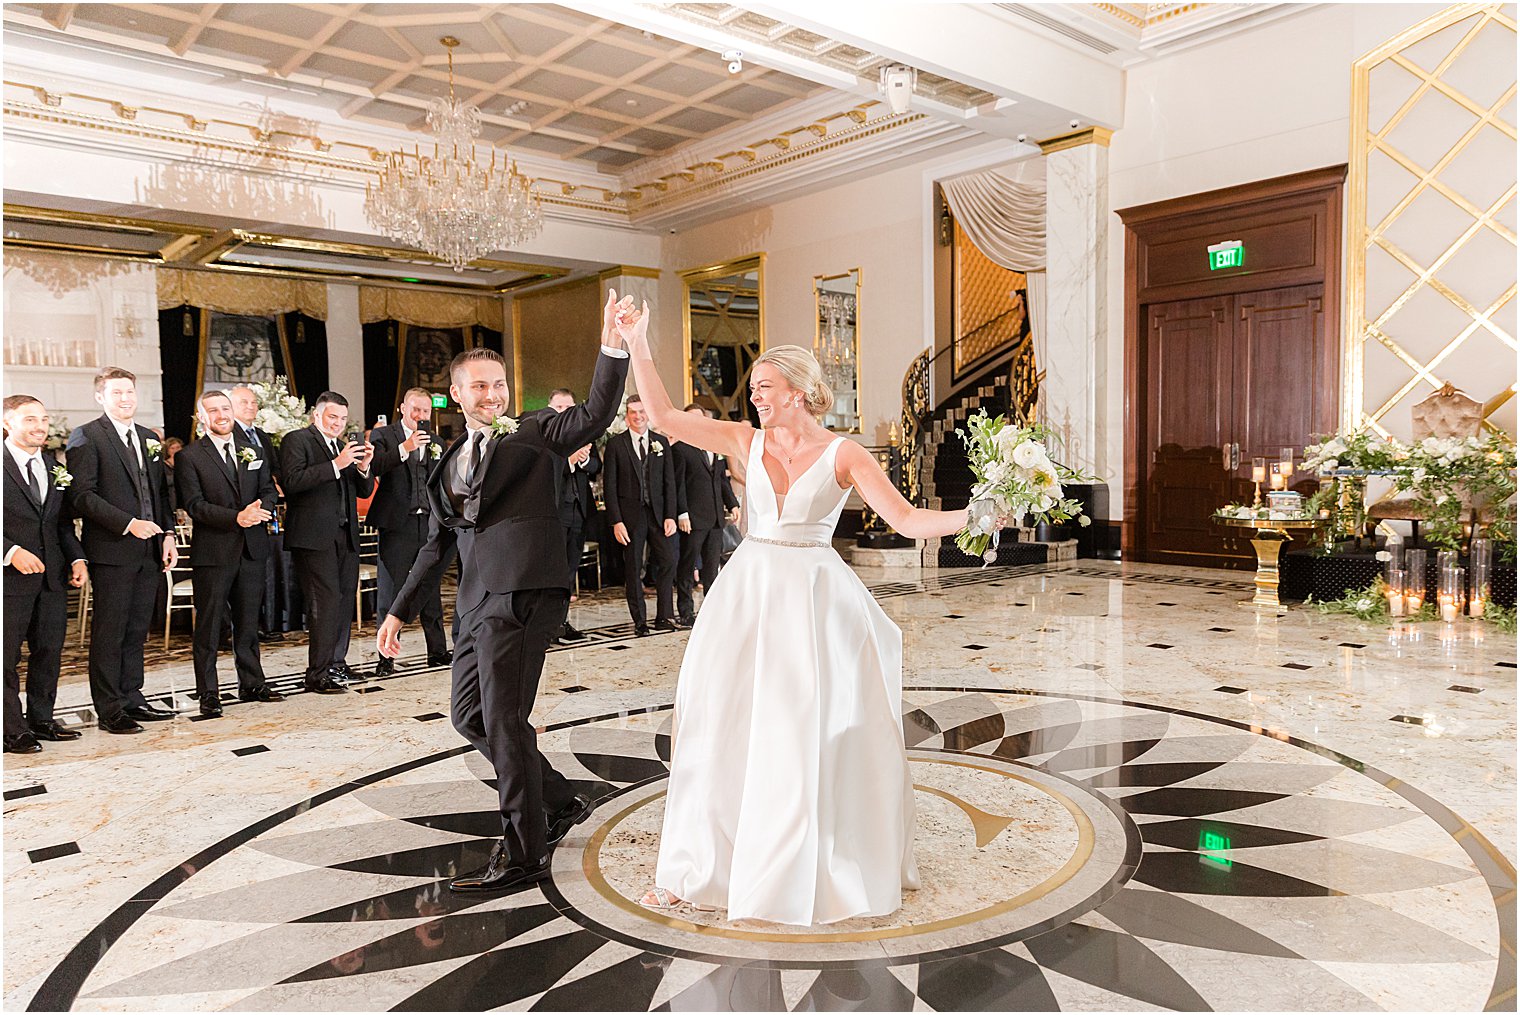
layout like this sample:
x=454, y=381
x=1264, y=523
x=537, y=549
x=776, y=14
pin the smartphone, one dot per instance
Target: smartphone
x=425, y=425
x=382, y=420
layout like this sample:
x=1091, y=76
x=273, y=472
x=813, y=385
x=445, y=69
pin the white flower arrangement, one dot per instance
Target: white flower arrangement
x=280, y=412
x=1015, y=476
x=501, y=426
x=62, y=477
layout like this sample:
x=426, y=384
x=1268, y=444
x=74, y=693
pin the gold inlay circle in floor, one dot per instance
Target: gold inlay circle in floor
x=988, y=841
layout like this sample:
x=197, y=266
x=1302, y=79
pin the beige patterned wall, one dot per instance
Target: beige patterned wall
x=1431, y=288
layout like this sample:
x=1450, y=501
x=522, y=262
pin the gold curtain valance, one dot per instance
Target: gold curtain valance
x=423, y=309
x=237, y=293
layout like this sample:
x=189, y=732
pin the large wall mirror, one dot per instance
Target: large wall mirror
x=836, y=343
x=725, y=334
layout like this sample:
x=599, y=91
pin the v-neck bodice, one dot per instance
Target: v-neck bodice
x=811, y=506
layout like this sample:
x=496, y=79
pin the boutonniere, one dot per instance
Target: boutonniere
x=436, y=450
x=656, y=449
x=62, y=477
x=153, y=446
x=501, y=426
x=247, y=455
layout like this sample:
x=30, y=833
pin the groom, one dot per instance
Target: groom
x=495, y=491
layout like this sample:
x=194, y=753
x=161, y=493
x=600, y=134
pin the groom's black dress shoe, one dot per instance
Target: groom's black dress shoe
x=117, y=724
x=147, y=713
x=444, y=658
x=384, y=666
x=265, y=693
x=325, y=684
x=567, y=817
x=569, y=633
x=49, y=729
x=500, y=874
x=22, y=743
x=641, y=630
x=665, y=625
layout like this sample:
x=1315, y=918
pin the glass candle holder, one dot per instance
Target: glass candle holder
x=1395, y=550
x=1279, y=478
x=1395, y=579
x=1451, y=593
x=1481, y=555
x=1414, y=588
x=1285, y=457
x=1446, y=560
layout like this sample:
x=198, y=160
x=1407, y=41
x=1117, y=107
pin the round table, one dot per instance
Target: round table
x=1271, y=534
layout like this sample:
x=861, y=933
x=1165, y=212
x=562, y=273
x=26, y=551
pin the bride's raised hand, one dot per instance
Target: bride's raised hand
x=633, y=326
x=612, y=314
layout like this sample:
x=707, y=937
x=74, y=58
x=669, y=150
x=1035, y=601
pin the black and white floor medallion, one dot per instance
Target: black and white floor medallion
x=1074, y=853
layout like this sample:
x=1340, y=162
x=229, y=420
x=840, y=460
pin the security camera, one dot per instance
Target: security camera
x=1023, y=138
x=735, y=58
x=672, y=232
x=897, y=83
x=1074, y=124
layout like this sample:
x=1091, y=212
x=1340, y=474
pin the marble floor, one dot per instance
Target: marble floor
x=1131, y=795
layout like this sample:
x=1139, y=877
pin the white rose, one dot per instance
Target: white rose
x=996, y=473
x=1028, y=455
x=1084, y=521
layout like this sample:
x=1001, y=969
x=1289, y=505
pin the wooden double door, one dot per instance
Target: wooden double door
x=1227, y=378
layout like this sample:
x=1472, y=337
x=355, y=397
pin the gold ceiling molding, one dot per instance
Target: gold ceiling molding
x=251, y=295
x=299, y=148
x=628, y=270
x=1471, y=219
x=1099, y=136
x=428, y=309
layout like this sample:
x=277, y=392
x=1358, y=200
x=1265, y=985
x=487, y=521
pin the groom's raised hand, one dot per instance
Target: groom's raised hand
x=612, y=313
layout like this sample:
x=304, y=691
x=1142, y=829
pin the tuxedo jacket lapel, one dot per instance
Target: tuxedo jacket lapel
x=14, y=471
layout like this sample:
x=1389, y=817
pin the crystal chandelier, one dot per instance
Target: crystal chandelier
x=453, y=204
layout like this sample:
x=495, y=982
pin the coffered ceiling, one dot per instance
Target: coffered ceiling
x=548, y=79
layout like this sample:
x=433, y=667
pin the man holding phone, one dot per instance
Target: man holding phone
x=324, y=475
x=404, y=456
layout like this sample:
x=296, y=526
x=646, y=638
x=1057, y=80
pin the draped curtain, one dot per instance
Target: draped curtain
x=1003, y=212
x=423, y=309
x=242, y=294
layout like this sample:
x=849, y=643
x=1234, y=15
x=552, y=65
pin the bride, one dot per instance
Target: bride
x=789, y=798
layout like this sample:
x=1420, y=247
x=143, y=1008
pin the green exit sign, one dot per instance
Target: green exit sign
x=440, y=401
x=1229, y=254
x=1210, y=844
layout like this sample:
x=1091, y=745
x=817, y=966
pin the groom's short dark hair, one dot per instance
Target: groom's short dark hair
x=471, y=355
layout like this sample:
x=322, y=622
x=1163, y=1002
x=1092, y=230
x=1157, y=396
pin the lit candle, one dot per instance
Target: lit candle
x=1414, y=601
x=1395, y=604
x=1448, y=609
x=1259, y=472
x=1279, y=481
x=1476, y=607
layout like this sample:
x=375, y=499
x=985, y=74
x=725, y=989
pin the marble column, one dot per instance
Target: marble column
x=345, y=351
x=1076, y=231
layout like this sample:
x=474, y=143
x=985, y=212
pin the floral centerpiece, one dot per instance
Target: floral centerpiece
x=57, y=434
x=1015, y=476
x=280, y=412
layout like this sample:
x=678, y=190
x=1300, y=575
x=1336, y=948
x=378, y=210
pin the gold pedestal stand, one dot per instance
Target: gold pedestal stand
x=1271, y=534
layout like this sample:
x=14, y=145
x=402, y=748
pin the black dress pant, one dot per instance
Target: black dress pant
x=700, y=549
x=399, y=547
x=124, y=596
x=329, y=577
x=227, y=592
x=648, y=531
x=498, y=661
x=575, y=545
x=39, y=620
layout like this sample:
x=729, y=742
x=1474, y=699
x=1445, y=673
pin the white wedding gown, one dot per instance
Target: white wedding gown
x=790, y=799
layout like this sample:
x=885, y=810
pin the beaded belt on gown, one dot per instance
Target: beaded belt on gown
x=790, y=542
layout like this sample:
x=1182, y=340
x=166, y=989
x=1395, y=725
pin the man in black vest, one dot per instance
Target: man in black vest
x=228, y=491
x=325, y=474
x=121, y=492
x=495, y=489
x=404, y=455
x=706, y=502
x=42, y=559
x=640, y=490
x=576, y=504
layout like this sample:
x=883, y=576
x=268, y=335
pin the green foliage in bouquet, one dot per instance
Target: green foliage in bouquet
x=1015, y=476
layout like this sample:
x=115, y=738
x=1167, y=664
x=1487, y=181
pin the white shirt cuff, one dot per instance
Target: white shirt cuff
x=683, y=517
x=8, y=555
x=128, y=529
x=608, y=350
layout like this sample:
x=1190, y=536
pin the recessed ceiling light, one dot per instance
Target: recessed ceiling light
x=632, y=102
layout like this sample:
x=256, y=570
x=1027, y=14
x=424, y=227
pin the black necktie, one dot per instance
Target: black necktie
x=475, y=444
x=33, y=480
x=231, y=465
x=144, y=502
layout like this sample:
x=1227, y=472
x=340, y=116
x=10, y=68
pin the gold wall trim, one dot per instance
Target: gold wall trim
x=1076, y=139
x=632, y=271
x=1367, y=138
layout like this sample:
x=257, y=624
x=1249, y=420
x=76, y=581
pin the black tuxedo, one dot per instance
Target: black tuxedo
x=514, y=592
x=705, y=498
x=322, y=534
x=642, y=494
x=576, y=504
x=36, y=605
x=226, y=559
x=400, y=512
x=110, y=489
x=263, y=444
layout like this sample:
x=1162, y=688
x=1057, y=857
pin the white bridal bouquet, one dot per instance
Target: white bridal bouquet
x=1015, y=476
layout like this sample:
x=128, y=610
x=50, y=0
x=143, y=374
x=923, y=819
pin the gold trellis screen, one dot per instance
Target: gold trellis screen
x=990, y=308
x=1432, y=214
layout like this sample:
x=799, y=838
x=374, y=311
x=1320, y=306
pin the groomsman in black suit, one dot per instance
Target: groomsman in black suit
x=245, y=409
x=121, y=492
x=325, y=475
x=640, y=490
x=42, y=559
x=227, y=488
x=576, y=504
x=404, y=455
x=496, y=490
x=706, y=502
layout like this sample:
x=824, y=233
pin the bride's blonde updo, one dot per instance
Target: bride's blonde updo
x=802, y=372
